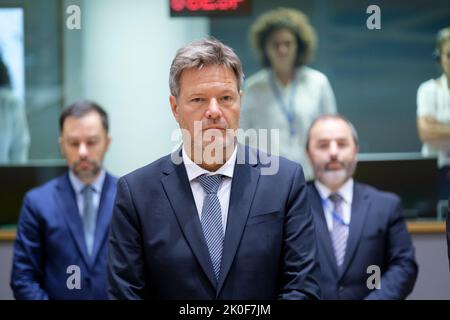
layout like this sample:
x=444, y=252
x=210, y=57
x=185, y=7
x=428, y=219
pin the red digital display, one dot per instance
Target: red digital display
x=208, y=7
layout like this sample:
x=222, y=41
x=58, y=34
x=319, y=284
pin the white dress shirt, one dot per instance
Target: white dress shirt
x=227, y=170
x=346, y=192
x=433, y=100
x=78, y=186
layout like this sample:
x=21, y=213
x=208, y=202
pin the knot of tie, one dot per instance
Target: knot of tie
x=87, y=190
x=210, y=183
x=336, y=198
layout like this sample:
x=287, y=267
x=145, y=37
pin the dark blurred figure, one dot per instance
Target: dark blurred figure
x=286, y=94
x=61, y=244
x=448, y=231
x=14, y=135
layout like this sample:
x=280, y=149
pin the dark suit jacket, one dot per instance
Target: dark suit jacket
x=157, y=247
x=50, y=238
x=448, y=232
x=377, y=236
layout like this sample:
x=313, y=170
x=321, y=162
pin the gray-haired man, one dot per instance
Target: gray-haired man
x=211, y=226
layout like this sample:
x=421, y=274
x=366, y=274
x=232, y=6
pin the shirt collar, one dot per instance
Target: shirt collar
x=345, y=191
x=78, y=185
x=194, y=171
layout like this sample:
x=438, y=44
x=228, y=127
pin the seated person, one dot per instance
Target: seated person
x=360, y=230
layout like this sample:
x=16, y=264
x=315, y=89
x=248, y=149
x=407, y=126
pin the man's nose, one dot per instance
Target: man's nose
x=83, y=150
x=334, y=149
x=213, y=111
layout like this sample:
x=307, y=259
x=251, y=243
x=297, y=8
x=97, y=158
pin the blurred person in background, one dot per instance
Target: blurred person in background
x=433, y=114
x=14, y=135
x=286, y=94
x=61, y=244
x=365, y=251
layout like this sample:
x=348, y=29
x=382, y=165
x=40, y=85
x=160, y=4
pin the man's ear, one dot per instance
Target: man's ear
x=60, y=146
x=174, y=106
x=108, y=141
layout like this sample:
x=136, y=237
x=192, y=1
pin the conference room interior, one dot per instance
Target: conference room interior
x=119, y=56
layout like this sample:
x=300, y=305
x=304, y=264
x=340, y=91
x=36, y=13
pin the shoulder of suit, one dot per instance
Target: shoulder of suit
x=150, y=170
x=46, y=188
x=112, y=177
x=379, y=195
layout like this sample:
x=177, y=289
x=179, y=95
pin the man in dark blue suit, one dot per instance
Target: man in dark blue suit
x=448, y=232
x=210, y=221
x=364, y=248
x=61, y=245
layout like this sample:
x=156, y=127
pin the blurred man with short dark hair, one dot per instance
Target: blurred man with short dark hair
x=61, y=246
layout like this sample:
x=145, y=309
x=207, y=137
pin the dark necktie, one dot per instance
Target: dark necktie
x=339, y=233
x=89, y=215
x=211, y=219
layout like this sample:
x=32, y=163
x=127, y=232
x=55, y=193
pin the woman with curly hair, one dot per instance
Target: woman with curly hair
x=286, y=94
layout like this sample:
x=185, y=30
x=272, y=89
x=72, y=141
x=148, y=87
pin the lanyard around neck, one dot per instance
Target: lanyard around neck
x=327, y=203
x=286, y=108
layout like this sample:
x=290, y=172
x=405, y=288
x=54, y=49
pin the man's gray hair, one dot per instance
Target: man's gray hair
x=332, y=116
x=202, y=53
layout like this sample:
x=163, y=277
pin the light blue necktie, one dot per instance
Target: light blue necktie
x=89, y=216
x=211, y=220
x=339, y=233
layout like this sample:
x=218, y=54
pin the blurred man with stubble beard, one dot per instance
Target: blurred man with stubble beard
x=360, y=230
x=61, y=245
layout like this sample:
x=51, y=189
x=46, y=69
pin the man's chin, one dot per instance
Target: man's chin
x=83, y=174
x=333, y=177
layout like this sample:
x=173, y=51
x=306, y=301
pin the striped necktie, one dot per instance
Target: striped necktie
x=339, y=233
x=89, y=216
x=211, y=219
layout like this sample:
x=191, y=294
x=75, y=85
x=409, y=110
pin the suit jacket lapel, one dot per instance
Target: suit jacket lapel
x=323, y=234
x=243, y=186
x=69, y=209
x=360, y=207
x=178, y=191
x=104, y=215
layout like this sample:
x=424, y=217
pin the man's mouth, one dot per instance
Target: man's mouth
x=334, y=166
x=84, y=164
x=214, y=127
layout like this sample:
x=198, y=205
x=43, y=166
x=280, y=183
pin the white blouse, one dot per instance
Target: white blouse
x=308, y=97
x=433, y=100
